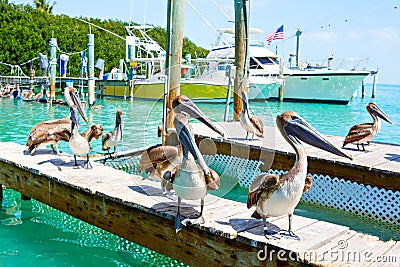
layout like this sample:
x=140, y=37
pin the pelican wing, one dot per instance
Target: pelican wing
x=213, y=181
x=358, y=132
x=307, y=184
x=262, y=183
x=257, y=124
x=155, y=155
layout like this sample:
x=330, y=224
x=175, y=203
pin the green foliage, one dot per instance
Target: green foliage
x=25, y=32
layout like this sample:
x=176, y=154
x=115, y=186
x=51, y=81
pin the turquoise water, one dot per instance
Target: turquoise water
x=33, y=233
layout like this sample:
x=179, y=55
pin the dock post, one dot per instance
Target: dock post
x=176, y=39
x=228, y=74
x=90, y=47
x=374, y=84
x=53, y=68
x=362, y=89
x=281, y=60
x=240, y=58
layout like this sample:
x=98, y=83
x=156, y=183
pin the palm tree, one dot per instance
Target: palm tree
x=44, y=6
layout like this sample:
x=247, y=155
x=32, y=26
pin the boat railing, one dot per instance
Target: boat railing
x=352, y=64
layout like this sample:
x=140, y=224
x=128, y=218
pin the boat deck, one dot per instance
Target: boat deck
x=137, y=210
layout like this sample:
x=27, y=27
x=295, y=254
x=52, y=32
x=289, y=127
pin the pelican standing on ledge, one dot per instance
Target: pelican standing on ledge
x=361, y=134
x=276, y=195
x=191, y=180
x=162, y=162
x=111, y=139
x=251, y=123
x=77, y=143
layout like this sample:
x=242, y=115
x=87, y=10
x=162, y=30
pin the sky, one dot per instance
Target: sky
x=342, y=28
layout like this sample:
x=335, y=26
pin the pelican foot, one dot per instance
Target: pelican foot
x=289, y=235
x=87, y=165
x=193, y=221
x=178, y=223
x=271, y=234
x=77, y=167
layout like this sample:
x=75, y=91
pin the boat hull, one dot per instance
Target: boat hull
x=200, y=92
x=337, y=88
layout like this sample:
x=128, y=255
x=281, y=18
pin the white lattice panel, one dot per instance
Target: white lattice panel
x=366, y=201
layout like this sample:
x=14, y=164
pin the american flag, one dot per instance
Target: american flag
x=275, y=35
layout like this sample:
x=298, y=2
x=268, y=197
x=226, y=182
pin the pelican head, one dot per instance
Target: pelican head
x=374, y=110
x=182, y=104
x=72, y=99
x=295, y=129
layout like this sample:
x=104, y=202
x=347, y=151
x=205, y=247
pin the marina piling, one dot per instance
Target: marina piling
x=374, y=84
x=53, y=68
x=240, y=58
x=90, y=47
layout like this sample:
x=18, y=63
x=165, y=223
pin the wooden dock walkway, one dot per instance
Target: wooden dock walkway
x=136, y=209
x=378, y=166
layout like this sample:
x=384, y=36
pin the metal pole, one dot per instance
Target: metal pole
x=90, y=47
x=374, y=83
x=362, y=89
x=298, y=33
x=164, y=118
x=281, y=88
x=228, y=93
x=53, y=68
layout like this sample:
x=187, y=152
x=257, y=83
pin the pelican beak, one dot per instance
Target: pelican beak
x=378, y=112
x=74, y=118
x=189, y=108
x=244, y=100
x=75, y=98
x=298, y=128
x=119, y=121
x=184, y=135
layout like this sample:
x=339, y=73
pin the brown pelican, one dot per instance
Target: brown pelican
x=276, y=195
x=361, y=134
x=77, y=143
x=191, y=180
x=251, y=123
x=183, y=104
x=111, y=139
x=162, y=161
x=53, y=131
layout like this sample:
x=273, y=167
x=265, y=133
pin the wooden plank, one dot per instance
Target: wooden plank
x=390, y=258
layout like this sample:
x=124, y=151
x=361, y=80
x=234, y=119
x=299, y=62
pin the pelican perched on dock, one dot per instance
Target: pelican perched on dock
x=53, y=131
x=77, y=143
x=191, y=181
x=251, y=123
x=111, y=139
x=361, y=134
x=276, y=195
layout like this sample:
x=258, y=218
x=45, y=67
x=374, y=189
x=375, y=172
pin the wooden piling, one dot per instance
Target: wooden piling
x=90, y=47
x=362, y=89
x=240, y=59
x=53, y=68
x=281, y=88
x=176, y=41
